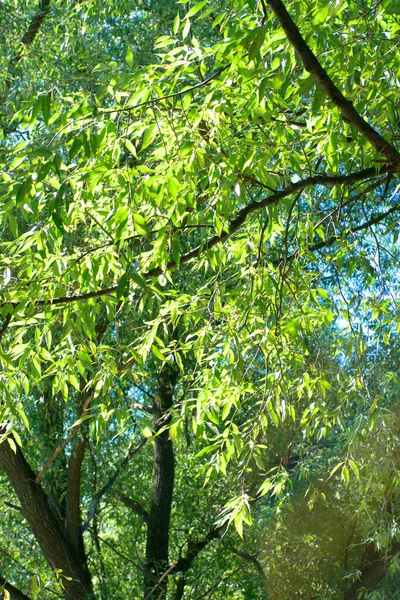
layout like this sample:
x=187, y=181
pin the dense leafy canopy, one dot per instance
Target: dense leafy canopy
x=199, y=299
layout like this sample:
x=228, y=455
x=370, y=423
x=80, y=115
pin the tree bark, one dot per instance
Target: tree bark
x=45, y=526
x=14, y=593
x=73, y=522
x=163, y=483
x=373, y=569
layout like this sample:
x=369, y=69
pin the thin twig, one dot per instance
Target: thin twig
x=66, y=441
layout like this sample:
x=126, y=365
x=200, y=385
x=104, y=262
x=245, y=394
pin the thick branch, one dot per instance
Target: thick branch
x=374, y=568
x=253, y=560
x=6, y=323
x=44, y=525
x=65, y=442
x=14, y=593
x=136, y=507
x=73, y=510
x=30, y=33
x=312, y=65
x=194, y=549
x=158, y=524
x=36, y=22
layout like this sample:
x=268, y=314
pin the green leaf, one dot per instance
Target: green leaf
x=23, y=190
x=257, y=39
x=345, y=475
x=131, y=148
x=196, y=8
x=149, y=136
x=46, y=101
x=157, y=353
x=177, y=21
x=186, y=29
x=355, y=469
x=140, y=224
x=129, y=57
x=123, y=285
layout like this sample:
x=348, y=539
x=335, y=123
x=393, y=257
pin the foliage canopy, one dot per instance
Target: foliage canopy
x=199, y=299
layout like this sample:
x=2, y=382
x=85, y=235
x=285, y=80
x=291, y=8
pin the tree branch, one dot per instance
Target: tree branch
x=15, y=594
x=65, y=442
x=6, y=323
x=253, y=560
x=236, y=223
x=194, y=549
x=36, y=22
x=111, y=481
x=136, y=507
x=312, y=65
x=334, y=238
x=30, y=33
x=167, y=97
x=374, y=568
x=46, y=528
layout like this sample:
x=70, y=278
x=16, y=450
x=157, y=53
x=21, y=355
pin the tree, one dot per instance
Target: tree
x=199, y=262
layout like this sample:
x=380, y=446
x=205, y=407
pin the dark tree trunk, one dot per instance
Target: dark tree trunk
x=163, y=484
x=13, y=592
x=73, y=523
x=373, y=569
x=45, y=525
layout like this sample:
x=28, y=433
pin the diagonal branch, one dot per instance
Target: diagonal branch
x=36, y=22
x=14, y=593
x=253, y=560
x=312, y=65
x=93, y=507
x=66, y=441
x=378, y=218
x=235, y=224
x=134, y=505
x=195, y=547
x=153, y=101
x=32, y=31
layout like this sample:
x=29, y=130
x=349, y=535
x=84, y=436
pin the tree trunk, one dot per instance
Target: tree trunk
x=45, y=526
x=163, y=484
x=73, y=522
x=374, y=567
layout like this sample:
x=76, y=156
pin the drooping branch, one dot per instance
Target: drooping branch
x=375, y=220
x=153, y=101
x=321, y=77
x=235, y=224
